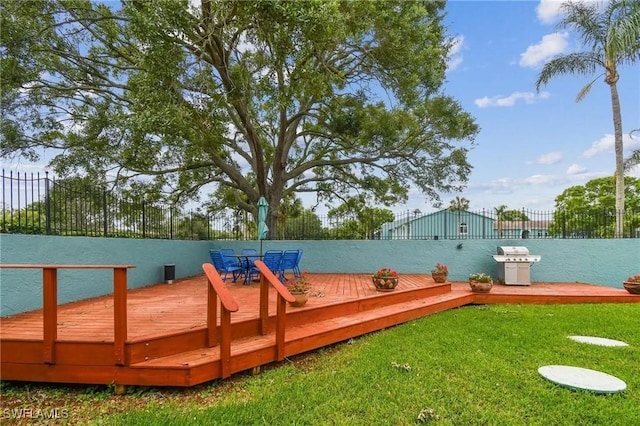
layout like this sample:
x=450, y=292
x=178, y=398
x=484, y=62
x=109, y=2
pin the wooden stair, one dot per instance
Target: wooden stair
x=195, y=366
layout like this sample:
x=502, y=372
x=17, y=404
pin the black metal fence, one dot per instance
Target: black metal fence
x=35, y=204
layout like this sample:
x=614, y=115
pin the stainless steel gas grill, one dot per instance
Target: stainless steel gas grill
x=514, y=265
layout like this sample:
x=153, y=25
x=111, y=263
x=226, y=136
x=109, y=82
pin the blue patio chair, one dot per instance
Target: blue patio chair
x=221, y=266
x=230, y=258
x=271, y=258
x=296, y=269
x=288, y=261
x=252, y=254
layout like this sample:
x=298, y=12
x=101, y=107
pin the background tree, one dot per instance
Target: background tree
x=589, y=210
x=290, y=207
x=613, y=37
x=513, y=215
x=500, y=211
x=459, y=204
x=354, y=220
x=29, y=220
x=305, y=225
x=260, y=98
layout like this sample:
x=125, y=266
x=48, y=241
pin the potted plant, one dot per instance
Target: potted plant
x=632, y=284
x=385, y=279
x=300, y=290
x=440, y=272
x=480, y=282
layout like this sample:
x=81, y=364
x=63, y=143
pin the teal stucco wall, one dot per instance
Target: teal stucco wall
x=603, y=262
x=21, y=290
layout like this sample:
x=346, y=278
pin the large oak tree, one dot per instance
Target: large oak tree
x=256, y=98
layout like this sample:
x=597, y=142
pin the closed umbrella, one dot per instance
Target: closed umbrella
x=263, y=208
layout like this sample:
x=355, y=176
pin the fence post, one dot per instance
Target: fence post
x=446, y=224
x=47, y=204
x=144, y=220
x=171, y=222
x=105, y=227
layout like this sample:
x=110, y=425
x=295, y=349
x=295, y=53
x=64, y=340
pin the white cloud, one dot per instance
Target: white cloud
x=600, y=146
x=454, y=58
x=543, y=180
x=550, y=158
x=606, y=144
x=634, y=172
x=548, y=10
x=550, y=45
x=576, y=169
x=508, y=101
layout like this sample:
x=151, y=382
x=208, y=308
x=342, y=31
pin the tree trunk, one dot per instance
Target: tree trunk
x=619, y=173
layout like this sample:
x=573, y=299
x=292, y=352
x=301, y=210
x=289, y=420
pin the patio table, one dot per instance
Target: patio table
x=244, y=260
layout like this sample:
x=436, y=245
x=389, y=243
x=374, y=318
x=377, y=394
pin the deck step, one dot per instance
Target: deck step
x=310, y=336
x=153, y=347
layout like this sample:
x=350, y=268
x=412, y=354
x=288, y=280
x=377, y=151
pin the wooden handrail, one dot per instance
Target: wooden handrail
x=50, y=306
x=217, y=290
x=267, y=277
x=223, y=293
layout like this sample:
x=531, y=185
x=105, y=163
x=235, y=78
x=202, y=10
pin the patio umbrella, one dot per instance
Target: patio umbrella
x=263, y=208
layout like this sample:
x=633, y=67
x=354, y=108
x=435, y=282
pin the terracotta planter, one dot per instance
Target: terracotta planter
x=631, y=287
x=385, y=283
x=439, y=277
x=301, y=299
x=478, y=287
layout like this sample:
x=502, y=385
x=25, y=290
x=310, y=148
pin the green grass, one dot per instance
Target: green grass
x=470, y=366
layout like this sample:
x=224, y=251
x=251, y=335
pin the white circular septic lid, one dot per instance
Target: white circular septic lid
x=582, y=378
x=601, y=341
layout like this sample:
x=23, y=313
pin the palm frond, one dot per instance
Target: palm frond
x=632, y=160
x=584, y=18
x=583, y=63
x=586, y=89
x=624, y=37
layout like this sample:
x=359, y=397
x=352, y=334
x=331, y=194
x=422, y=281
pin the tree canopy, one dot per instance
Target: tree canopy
x=266, y=98
x=589, y=210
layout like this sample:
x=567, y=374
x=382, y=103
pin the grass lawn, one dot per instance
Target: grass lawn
x=470, y=366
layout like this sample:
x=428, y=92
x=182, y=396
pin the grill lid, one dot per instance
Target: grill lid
x=513, y=250
x=515, y=254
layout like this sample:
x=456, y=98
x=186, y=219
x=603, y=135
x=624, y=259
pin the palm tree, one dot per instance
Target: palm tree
x=459, y=204
x=613, y=36
x=500, y=211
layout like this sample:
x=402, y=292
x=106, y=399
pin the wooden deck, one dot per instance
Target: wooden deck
x=170, y=341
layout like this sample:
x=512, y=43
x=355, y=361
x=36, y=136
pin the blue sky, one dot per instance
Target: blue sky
x=531, y=146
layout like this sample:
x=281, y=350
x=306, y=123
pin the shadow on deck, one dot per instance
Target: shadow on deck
x=168, y=340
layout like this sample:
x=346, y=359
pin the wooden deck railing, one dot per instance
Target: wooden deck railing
x=218, y=290
x=50, y=306
x=267, y=277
